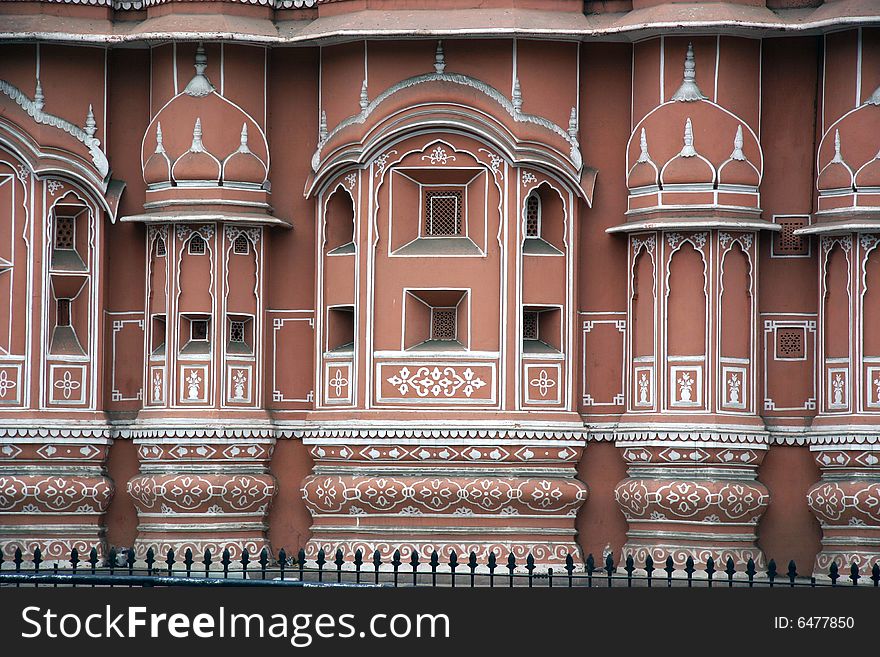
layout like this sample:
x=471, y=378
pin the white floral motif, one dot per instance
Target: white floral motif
x=382, y=162
x=685, y=384
x=54, y=186
x=67, y=385
x=528, y=178
x=193, y=383
x=351, y=179
x=338, y=382
x=838, y=384
x=440, y=155
x=239, y=380
x=426, y=381
x=543, y=383
x=157, y=387
x=733, y=384
x=644, y=389
x=495, y=160
x=5, y=383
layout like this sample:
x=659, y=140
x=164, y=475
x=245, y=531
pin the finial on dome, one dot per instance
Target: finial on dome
x=517, y=96
x=91, y=126
x=643, y=148
x=439, y=59
x=837, y=156
x=200, y=85
x=39, y=98
x=737, y=153
x=365, y=99
x=689, y=91
x=688, y=148
x=197, y=146
x=322, y=127
x=243, y=147
x=160, y=147
x=573, y=123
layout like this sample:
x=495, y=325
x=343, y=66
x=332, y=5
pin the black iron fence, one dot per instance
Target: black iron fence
x=120, y=568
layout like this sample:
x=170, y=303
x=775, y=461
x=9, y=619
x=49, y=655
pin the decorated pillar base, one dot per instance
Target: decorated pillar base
x=422, y=497
x=202, y=493
x=692, y=499
x=847, y=503
x=54, y=492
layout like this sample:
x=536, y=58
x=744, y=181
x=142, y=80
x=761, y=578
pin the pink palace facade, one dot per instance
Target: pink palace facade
x=521, y=276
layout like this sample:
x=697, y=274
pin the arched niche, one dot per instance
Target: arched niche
x=339, y=223
x=543, y=216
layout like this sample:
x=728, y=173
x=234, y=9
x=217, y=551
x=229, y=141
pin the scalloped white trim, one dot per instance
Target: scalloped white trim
x=99, y=159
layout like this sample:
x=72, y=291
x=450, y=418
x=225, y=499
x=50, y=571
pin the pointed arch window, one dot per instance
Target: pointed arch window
x=533, y=215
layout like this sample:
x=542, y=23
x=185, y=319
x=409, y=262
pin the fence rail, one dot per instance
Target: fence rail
x=122, y=569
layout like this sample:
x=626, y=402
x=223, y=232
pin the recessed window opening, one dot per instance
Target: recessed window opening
x=197, y=245
x=443, y=213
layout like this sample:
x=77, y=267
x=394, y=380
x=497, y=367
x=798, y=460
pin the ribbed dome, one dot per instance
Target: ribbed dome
x=737, y=170
x=836, y=174
x=243, y=166
x=688, y=167
x=196, y=164
x=207, y=139
x=157, y=170
x=644, y=172
x=869, y=174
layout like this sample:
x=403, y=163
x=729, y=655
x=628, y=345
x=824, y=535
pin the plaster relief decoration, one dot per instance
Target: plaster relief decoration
x=734, y=382
x=157, y=385
x=436, y=381
x=10, y=390
x=337, y=382
x=193, y=384
x=68, y=384
x=686, y=386
x=85, y=135
x=838, y=388
x=872, y=387
x=477, y=106
x=238, y=384
x=643, y=387
x=544, y=383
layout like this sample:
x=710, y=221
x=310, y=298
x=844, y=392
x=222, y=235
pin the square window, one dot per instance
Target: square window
x=443, y=213
x=443, y=324
x=785, y=242
x=236, y=331
x=790, y=343
x=198, y=330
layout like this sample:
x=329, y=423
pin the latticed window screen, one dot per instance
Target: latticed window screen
x=197, y=245
x=530, y=325
x=198, y=329
x=240, y=245
x=160, y=247
x=443, y=213
x=62, y=312
x=236, y=331
x=443, y=324
x=786, y=243
x=63, y=232
x=789, y=343
x=533, y=216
